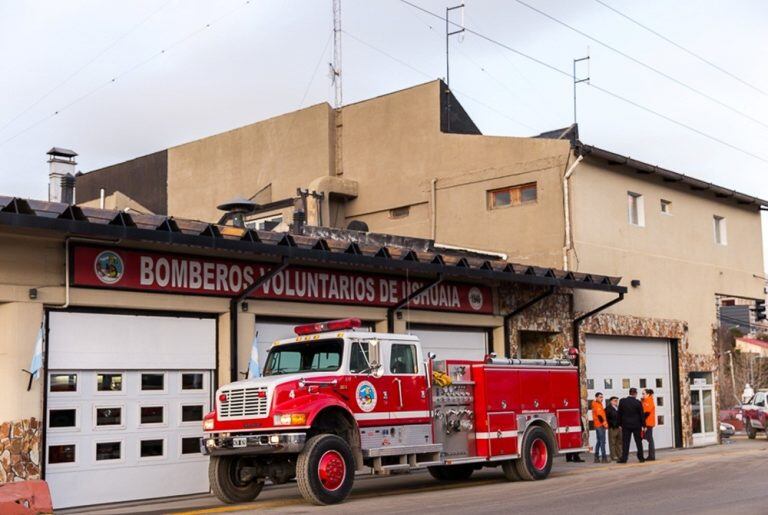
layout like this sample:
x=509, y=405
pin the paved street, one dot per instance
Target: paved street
x=719, y=479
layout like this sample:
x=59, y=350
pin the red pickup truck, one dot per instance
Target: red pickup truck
x=755, y=414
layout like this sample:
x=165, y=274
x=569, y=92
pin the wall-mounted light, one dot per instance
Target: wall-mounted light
x=635, y=283
x=33, y=293
x=244, y=307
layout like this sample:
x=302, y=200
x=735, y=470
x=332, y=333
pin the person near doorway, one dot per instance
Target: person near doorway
x=649, y=410
x=600, y=421
x=631, y=419
x=614, y=428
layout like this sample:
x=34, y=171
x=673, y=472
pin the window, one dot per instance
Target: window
x=265, y=223
x=62, y=418
x=107, y=451
x=151, y=415
x=660, y=420
x=643, y=383
x=666, y=207
x=108, y=416
x=191, y=381
x=63, y=383
x=608, y=384
x=151, y=448
x=512, y=196
x=636, y=209
x=190, y=445
x=721, y=233
x=400, y=212
x=625, y=383
x=314, y=356
x=402, y=359
x=61, y=453
x=590, y=384
x=358, y=359
x=109, y=382
x=659, y=382
x=660, y=401
x=191, y=413
x=151, y=382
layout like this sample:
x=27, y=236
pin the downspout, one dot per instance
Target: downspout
x=433, y=205
x=234, y=303
x=67, y=284
x=400, y=305
x=567, y=210
x=519, y=309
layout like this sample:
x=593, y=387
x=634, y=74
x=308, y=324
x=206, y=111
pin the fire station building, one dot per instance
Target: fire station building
x=138, y=318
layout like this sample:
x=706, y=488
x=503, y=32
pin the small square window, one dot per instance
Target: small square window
x=625, y=383
x=109, y=382
x=151, y=448
x=190, y=445
x=63, y=383
x=660, y=420
x=590, y=384
x=191, y=381
x=659, y=383
x=666, y=207
x=191, y=413
x=62, y=418
x=608, y=384
x=107, y=451
x=109, y=416
x=150, y=382
x=61, y=453
x=660, y=401
x=152, y=415
x=643, y=383
x=400, y=212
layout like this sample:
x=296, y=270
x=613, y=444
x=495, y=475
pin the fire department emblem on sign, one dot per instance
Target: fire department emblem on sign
x=366, y=396
x=108, y=267
x=475, y=298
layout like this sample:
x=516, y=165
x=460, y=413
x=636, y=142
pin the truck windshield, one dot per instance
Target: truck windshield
x=312, y=356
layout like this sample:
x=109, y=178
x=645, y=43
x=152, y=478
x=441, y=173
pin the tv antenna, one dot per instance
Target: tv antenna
x=448, y=34
x=577, y=81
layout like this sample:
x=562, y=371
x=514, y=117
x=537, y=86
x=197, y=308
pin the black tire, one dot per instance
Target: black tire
x=510, y=470
x=224, y=477
x=451, y=472
x=332, y=483
x=751, y=431
x=536, y=455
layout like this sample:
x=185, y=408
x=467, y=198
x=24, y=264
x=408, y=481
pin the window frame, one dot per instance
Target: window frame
x=666, y=207
x=415, y=359
x=637, y=201
x=66, y=464
x=720, y=227
x=107, y=427
x=64, y=392
x=191, y=391
x=66, y=429
x=164, y=390
x=110, y=393
x=515, y=195
x=149, y=404
x=150, y=438
x=113, y=461
x=204, y=409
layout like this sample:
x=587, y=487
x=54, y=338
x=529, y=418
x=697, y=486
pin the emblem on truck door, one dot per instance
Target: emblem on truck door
x=366, y=396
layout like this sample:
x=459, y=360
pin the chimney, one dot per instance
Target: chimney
x=61, y=175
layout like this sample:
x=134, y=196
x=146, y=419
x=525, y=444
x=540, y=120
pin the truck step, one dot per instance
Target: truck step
x=401, y=450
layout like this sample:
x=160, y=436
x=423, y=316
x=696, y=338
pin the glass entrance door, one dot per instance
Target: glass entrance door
x=702, y=408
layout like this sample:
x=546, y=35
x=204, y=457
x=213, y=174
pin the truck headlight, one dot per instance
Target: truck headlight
x=208, y=424
x=290, y=419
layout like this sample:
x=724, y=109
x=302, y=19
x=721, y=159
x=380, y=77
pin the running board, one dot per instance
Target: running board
x=392, y=459
x=401, y=450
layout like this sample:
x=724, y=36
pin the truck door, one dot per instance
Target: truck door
x=408, y=386
x=369, y=397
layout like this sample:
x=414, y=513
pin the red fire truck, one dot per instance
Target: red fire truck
x=335, y=400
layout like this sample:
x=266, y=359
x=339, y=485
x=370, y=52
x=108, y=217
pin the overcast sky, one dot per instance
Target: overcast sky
x=231, y=62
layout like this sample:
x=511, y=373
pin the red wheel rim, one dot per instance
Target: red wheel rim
x=539, y=454
x=331, y=470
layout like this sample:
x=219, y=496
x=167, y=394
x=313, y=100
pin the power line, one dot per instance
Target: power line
x=598, y=88
x=125, y=72
x=644, y=64
x=314, y=72
x=84, y=66
x=684, y=49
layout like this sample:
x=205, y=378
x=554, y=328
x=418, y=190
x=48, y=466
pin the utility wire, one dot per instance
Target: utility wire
x=684, y=49
x=84, y=66
x=591, y=83
x=314, y=72
x=644, y=65
x=125, y=72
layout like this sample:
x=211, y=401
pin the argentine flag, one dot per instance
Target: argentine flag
x=253, y=364
x=37, y=358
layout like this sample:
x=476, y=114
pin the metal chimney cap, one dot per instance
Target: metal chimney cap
x=238, y=204
x=62, y=152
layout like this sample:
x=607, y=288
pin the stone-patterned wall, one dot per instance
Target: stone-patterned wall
x=551, y=315
x=19, y=450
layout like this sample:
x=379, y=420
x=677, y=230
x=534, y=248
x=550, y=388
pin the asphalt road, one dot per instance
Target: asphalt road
x=719, y=479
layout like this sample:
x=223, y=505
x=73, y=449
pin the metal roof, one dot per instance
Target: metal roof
x=301, y=250
x=696, y=185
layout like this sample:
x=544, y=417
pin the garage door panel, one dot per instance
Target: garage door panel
x=453, y=343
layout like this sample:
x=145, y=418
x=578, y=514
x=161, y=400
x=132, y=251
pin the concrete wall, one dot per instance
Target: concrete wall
x=675, y=257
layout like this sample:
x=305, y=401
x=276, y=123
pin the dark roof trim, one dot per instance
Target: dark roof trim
x=669, y=176
x=105, y=224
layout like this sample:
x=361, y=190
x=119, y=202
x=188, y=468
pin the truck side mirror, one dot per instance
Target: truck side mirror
x=374, y=358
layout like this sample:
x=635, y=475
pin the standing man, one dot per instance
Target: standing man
x=600, y=422
x=631, y=418
x=614, y=428
x=649, y=410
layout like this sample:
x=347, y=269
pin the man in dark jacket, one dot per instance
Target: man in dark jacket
x=632, y=420
x=614, y=428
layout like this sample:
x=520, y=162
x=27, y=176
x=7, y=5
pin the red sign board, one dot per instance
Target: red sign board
x=101, y=267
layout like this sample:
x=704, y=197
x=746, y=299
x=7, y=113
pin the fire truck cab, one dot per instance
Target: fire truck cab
x=335, y=400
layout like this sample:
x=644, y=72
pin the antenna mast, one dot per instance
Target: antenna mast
x=338, y=99
x=577, y=81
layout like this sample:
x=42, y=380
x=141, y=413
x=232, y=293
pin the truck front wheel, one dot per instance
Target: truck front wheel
x=325, y=470
x=536, y=454
x=224, y=475
x=751, y=431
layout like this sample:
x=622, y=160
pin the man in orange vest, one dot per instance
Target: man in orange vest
x=649, y=410
x=600, y=422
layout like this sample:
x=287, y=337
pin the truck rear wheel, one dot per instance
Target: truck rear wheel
x=226, y=483
x=451, y=472
x=325, y=470
x=751, y=431
x=535, y=455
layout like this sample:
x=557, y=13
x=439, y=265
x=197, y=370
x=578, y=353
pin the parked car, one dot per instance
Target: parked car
x=727, y=430
x=755, y=414
x=733, y=416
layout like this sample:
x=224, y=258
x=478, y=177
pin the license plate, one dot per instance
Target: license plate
x=239, y=442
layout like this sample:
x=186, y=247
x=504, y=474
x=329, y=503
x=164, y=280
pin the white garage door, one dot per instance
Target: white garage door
x=126, y=396
x=615, y=364
x=459, y=343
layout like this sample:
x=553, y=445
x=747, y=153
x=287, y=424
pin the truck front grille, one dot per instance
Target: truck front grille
x=244, y=402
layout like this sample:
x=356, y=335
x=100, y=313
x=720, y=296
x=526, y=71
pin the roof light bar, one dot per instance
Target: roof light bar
x=332, y=325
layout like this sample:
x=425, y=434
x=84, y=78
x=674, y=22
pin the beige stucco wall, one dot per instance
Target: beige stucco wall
x=675, y=257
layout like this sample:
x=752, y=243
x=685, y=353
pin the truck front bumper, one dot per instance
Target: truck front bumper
x=216, y=444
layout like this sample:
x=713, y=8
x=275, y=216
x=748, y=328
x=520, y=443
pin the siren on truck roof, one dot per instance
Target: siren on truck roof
x=331, y=325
